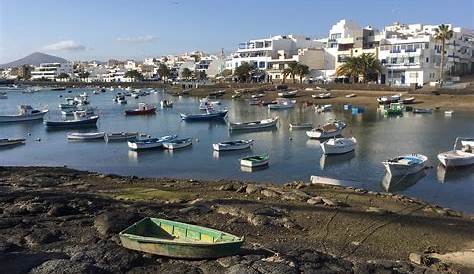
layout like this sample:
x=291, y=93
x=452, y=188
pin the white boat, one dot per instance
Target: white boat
x=328, y=130
x=259, y=95
x=448, y=112
x=135, y=95
x=323, y=108
x=288, y=94
x=265, y=123
x=467, y=142
x=118, y=136
x=96, y=92
x=205, y=103
x=282, y=103
x=232, y=145
x=26, y=113
x=339, y=145
x=324, y=95
x=70, y=103
x=85, y=136
x=3, y=96
x=11, y=142
x=301, y=126
x=406, y=164
x=351, y=95
x=179, y=143
x=149, y=143
x=166, y=104
x=255, y=161
x=463, y=156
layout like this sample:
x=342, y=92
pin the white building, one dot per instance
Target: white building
x=51, y=70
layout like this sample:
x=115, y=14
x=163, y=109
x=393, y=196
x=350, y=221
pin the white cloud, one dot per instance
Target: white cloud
x=138, y=39
x=65, y=45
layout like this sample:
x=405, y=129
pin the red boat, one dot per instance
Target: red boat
x=143, y=109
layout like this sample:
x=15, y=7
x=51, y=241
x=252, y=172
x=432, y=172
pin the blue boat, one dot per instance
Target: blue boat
x=81, y=122
x=209, y=115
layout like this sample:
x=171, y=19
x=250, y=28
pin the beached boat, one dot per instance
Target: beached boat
x=288, y=94
x=166, y=104
x=388, y=100
x=218, y=93
x=339, y=145
x=179, y=240
x=149, y=143
x=255, y=161
x=119, y=136
x=143, y=109
x=77, y=122
x=323, y=108
x=265, y=123
x=461, y=155
x=422, y=110
x=11, y=142
x=328, y=130
x=407, y=101
x=351, y=95
x=324, y=95
x=178, y=143
x=232, y=145
x=209, y=115
x=85, y=136
x=282, y=103
x=394, y=109
x=236, y=95
x=406, y=164
x=301, y=126
x=26, y=113
x=258, y=95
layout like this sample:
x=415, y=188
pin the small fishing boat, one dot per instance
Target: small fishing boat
x=58, y=88
x=328, y=130
x=209, y=115
x=205, y=103
x=288, y=94
x=323, y=108
x=301, y=126
x=461, y=155
x=266, y=103
x=255, y=102
x=388, y=100
x=448, y=112
x=70, y=103
x=467, y=142
x=407, y=101
x=149, y=143
x=178, y=143
x=422, y=110
x=77, y=122
x=143, y=109
x=232, y=145
x=394, y=109
x=11, y=142
x=3, y=96
x=26, y=113
x=282, y=103
x=351, y=95
x=166, y=104
x=406, y=164
x=265, y=123
x=339, y=145
x=119, y=136
x=324, y=95
x=179, y=240
x=236, y=95
x=258, y=95
x=255, y=161
x=85, y=136
x=96, y=92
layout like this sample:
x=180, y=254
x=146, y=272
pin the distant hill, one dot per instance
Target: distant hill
x=35, y=59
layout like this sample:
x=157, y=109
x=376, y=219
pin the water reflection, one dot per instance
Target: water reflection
x=253, y=169
x=231, y=154
x=329, y=161
x=454, y=175
x=398, y=183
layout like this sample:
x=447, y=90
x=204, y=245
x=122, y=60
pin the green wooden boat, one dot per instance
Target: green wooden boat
x=394, y=109
x=179, y=240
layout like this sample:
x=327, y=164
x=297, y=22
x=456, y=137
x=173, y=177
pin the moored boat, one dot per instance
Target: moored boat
x=11, y=142
x=394, y=109
x=143, y=109
x=328, y=130
x=209, y=115
x=166, y=103
x=77, y=122
x=448, y=112
x=288, y=94
x=409, y=100
x=179, y=240
x=461, y=155
x=405, y=164
x=324, y=95
x=339, y=145
x=26, y=113
x=119, y=136
x=323, y=108
x=282, y=103
x=255, y=161
x=149, y=143
x=265, y=123
x=232, y=145
x=258, y=95
x=178, y=143
x=301, y=126
x=85, y=136
x=422, y=110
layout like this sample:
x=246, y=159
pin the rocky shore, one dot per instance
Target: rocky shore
x=58, y=220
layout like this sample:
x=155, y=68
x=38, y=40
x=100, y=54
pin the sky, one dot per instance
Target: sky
x=103, y=29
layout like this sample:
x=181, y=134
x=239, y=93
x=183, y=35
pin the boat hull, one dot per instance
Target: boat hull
x=177, y=145
x=253, y=126
x=318, y=134
x=23, y=118
x=11, y=142
x=120, y=136
x=449, y=161
x=86, y=136
x=403, y=170
x=72, y=123
x=330, y=149
x=203, y=117
x=223, y=147
x=141, y=112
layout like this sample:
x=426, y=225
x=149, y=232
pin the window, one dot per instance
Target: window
x=427, y=59
x=411, y=60
x=277, y=76
x=413, y=74
x=394, y=60
x=427, y=45
x=335, y=36
x=261, y=65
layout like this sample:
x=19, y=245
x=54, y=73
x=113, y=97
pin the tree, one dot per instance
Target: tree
x=293, y=70
x=186, y=73
x=443, y=33
x=163, y=71
x=201, y=75
x=84, y=74
x=226, y=73
x=243, y=72
x=302, y=70
x=63, y=75
x=351, y=68
x=134, y=74
x=369, y=66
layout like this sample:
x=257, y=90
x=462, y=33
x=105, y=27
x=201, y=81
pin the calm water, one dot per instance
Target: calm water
x=292, y=155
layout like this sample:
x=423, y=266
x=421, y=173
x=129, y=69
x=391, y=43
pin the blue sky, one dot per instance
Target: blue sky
x=87, y=29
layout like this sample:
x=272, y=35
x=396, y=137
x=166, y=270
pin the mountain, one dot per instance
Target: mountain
x=35, y=59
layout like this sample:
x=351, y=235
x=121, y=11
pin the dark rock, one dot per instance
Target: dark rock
x=315, y=200
x=113, y=222
x=227, y=187
x=282, y=267
x=228, y=261
x=43, y=236
x=58, y=210
x=175, y=267
x=63, y=266
x=258, y=220
x=250, y=188
x=269, y=193
x=241, y=189
x=195, y=209
x=22, y=262
x=241, y=269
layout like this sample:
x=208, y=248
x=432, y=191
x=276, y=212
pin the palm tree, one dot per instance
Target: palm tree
x=369, y=65
x=243, y=72
x=352, y=68
x=286, y=72
x=443, y=33
x=186, y=73
x=164, y=71
x=293, y=70
x=302, y=71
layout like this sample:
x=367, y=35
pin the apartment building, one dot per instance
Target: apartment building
x=51, y=70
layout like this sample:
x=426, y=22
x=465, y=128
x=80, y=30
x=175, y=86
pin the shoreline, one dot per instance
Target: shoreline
x=340, y=227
